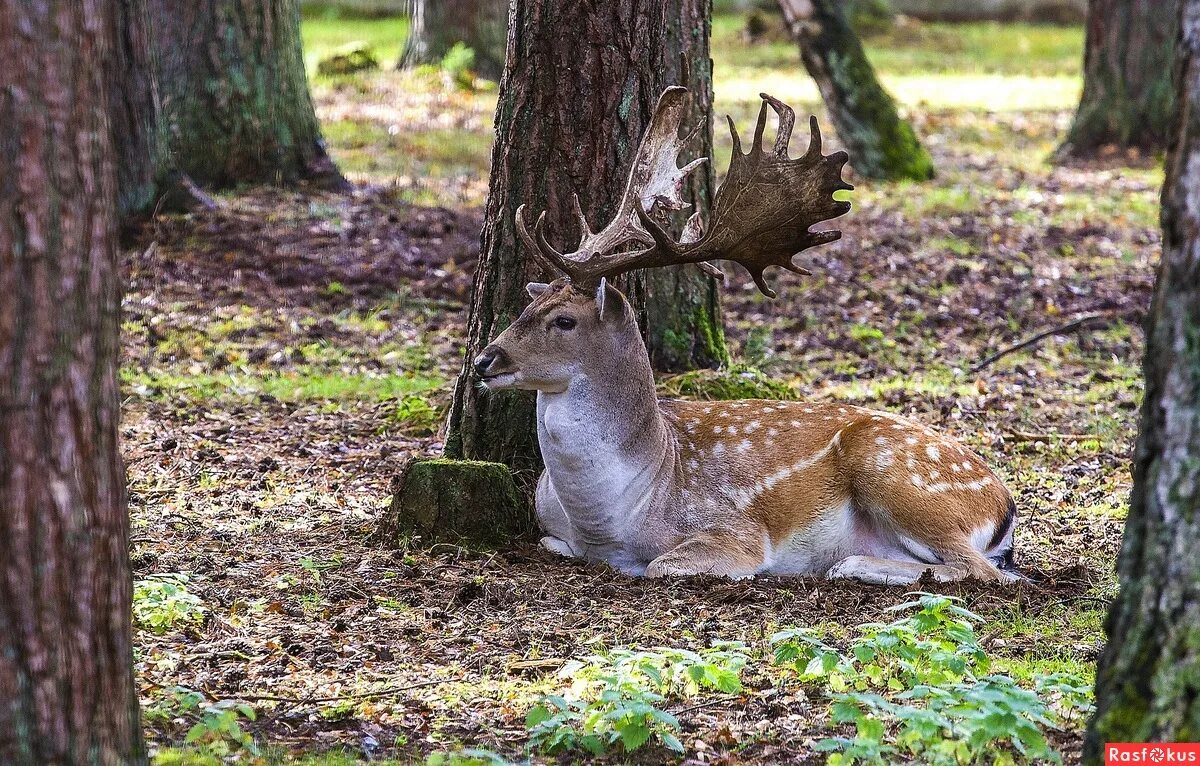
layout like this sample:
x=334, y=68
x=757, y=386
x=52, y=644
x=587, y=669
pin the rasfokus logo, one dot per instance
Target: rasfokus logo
x=1151, y=752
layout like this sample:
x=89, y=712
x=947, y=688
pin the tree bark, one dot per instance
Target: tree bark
x=436, y=25
x=1148, y=679
x=581, y=82
x=1128, y=96
x=67, y=693
x=235, y=94
x=881, y=145
x=135, y=109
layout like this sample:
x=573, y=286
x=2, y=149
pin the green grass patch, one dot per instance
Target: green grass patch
x=324, y=35
x=288, y=387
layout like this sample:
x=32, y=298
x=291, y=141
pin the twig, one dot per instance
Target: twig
x=1029, y=436
x=341, y=698
x=702, y=705
x=1074, y=324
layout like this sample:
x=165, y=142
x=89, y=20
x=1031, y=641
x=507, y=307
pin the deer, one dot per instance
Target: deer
x=661, y=487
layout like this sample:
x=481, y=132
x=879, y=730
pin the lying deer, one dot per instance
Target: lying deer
x=664, y=487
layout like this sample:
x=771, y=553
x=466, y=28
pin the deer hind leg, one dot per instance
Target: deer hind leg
x=723, y=556
x=880, y=571
x=961, y=563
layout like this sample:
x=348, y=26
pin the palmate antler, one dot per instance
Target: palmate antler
x=760, y=216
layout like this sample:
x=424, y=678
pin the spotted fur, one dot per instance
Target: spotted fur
x=734, y=488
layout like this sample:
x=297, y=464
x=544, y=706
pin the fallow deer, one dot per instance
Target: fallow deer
x=663, y=487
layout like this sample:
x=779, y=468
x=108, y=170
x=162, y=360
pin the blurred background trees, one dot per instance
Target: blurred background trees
x=881, y=145
x=437, y=26
x=1128, y=93
x=234, y=93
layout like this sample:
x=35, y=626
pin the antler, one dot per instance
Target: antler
x=760, y=217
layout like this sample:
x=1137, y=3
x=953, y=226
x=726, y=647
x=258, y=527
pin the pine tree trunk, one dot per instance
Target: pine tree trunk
x=67, y=693
x=881, y=145
x=135, y=114
x=581, y=82
x=235, y=94
x=1128, y=96
x=436, y=25
x=1148, y=679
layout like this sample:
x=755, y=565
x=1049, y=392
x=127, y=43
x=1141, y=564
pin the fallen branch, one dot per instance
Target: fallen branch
x=1029, y=436
x=384, y=692
x=1074, y=324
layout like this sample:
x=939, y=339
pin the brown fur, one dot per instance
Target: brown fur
x=733, y=488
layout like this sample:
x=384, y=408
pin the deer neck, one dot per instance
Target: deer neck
x=605, y=443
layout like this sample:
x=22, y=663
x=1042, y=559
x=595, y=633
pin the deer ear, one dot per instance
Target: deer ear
x=536, y=288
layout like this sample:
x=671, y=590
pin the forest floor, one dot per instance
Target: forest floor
x=284, y=354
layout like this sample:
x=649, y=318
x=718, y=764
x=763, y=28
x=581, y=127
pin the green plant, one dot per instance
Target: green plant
x=616, y=697
x=216, y=728
x=623, y=714
x=414, y=414
x=162, y=602
x=457, y=65
x=918, y=688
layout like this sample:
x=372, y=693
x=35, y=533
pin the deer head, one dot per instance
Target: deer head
x=760, y=217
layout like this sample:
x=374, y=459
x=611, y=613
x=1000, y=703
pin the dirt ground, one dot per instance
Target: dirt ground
x=285, y=354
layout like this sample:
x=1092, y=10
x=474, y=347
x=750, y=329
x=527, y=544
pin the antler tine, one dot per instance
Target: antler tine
x=760, y=218
x=585, y=230
x=548, y=263
x=787, y=120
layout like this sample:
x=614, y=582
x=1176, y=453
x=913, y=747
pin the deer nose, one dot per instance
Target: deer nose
x=491, y=356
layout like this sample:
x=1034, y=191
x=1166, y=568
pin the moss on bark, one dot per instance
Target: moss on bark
x=1148, y=677
x=468, y=502
x=881, y=145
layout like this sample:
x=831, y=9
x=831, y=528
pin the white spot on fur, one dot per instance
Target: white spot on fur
x=884, y=459
x=718, y=429
x=718, y=449
x=910, y=441
x=772, y=431
x=916, y=480
x=795, y=424
x=933, y=475
x=933, y=452
x=744, y=445
x=956, y=468
x=881, y=441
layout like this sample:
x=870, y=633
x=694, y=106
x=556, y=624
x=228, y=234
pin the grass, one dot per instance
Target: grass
x=325, y=34
x=378, y=134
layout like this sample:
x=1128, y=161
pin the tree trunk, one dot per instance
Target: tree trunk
x=235, y=94
x=67, y=693
x=135, y=110
x=581, y=83
x=436, y=25
x=1148, y=679
x=881, y=145
x=1128, y=96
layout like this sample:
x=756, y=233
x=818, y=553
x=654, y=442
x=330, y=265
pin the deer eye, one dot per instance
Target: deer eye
x=564, y=323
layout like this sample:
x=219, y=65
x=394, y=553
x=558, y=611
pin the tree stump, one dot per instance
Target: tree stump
x=467, y=502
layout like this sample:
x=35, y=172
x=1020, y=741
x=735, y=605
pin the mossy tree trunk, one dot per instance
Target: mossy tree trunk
x=67, y=693
x=581, y=82
x=235, y=94
x=1148, y=679
x=436, y=25
x=1128, y=96
x=881, y=145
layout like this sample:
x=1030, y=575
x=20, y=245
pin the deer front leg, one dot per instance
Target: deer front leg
x=553, y=520
x=723, y=556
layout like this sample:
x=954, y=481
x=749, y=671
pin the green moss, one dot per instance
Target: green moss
x=468, y=502
x=737, y=382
